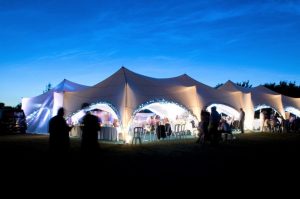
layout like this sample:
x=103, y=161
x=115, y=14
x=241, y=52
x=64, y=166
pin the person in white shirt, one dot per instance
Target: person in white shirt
x=262, y=120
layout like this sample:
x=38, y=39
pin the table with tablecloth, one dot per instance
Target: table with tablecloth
x=76, y=131
x=108, y=133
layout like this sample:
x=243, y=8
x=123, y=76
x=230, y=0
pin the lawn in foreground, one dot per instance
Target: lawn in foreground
x=250, y=154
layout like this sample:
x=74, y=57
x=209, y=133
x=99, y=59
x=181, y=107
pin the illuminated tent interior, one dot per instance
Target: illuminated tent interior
x=99, y=109
x=127, y=92
x=173, y=112
x=261, y=97
x=225, y=110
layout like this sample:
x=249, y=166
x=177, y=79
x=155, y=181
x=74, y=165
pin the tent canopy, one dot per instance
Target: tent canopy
x=40, y=109
x=126, y=91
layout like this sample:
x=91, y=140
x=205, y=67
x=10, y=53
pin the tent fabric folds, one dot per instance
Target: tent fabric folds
x=126, y=90
x=40, y=109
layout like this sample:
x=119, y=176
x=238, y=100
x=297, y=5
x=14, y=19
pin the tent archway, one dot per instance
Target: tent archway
x=293, y=110
x=264, y=106
x=261, y=113
x=75, y=117
x=106, y=112
x=165, y=109
x=225, y=109
x=227, y=112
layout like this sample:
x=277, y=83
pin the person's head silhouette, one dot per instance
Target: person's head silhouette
x=213, y=108
x=61, y=112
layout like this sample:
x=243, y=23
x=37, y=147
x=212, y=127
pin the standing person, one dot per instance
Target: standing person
x=59, y=139
x=214, y=121
x=242, y=120
x=89, y=140
x=203, y=126
x=21, y=119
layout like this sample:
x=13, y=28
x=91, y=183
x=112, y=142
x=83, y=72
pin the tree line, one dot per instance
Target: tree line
x=290, y=89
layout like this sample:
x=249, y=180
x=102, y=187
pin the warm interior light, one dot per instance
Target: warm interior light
x=293, y=111
x=226, y=110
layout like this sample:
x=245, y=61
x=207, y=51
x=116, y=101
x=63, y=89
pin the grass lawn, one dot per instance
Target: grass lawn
x=253, y=154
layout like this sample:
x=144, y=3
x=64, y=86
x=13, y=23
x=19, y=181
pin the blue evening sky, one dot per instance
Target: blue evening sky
x=44, y=41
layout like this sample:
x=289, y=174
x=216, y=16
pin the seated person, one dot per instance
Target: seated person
x=224, y=127
x=160, y=131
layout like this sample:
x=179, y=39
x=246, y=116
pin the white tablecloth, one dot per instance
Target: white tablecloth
x=76, y=131
x=108, y=133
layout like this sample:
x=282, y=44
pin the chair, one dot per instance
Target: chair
x=182, y=130
x=177, y=130
x=227, y=136
x=137, y=134
x=152, y=133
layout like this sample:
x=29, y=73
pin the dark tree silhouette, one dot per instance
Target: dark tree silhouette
x=244, y=84
x=48, y=88
x=290, y=89
x=2, y=105
x=219, y=85
x=285, y=88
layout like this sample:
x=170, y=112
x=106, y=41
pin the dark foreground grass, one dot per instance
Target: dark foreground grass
x=260, y=155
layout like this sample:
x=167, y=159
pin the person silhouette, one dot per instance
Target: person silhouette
x=203, y=126
x=59, y=139
x=21, y=119
x=242, y=120
x=214, y=120
x=90, y=128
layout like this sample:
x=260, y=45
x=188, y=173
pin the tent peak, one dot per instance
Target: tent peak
x=124, y=68
x=230, y=82
x=67, y=85
x=231, y=86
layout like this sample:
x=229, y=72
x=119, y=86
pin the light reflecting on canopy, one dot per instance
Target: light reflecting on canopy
x=293, y=111
x=226, y=110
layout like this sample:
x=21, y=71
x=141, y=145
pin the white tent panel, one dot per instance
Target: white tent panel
x=40, y=109
x=127, y=91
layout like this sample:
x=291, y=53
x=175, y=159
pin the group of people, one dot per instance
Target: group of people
x=212, y=125
x=161, y=127
x=210, y=129
x=276, y=123
x=59, y=139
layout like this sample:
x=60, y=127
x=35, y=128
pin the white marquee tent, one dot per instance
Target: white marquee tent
x=126, y=92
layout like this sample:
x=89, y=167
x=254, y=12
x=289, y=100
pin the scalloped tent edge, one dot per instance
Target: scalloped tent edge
x=126, y=90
